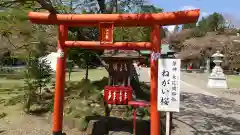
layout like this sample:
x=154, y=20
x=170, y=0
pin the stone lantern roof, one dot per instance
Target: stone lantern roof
x=217, y=54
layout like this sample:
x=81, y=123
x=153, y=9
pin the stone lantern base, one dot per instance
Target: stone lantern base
x=217, y=82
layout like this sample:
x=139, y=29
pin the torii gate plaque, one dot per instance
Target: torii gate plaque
x=106, y=23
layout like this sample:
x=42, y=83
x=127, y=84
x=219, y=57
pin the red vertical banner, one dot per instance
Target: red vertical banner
x=106, y=33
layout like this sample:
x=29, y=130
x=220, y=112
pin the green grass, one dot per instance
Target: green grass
x=9, y=83
x=9, y=88
x=233, y=81
x=93, y=74
x=78, y=93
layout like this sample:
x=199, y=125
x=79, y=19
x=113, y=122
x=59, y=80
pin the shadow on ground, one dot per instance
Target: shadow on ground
x=117, y=126
x=209, y=115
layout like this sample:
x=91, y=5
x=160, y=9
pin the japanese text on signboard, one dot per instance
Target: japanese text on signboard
x=169, y=85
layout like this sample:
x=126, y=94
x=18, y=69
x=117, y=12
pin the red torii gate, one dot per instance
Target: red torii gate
x=106, y=23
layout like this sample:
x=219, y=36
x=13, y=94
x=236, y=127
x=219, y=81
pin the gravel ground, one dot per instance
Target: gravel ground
x=24, y=125
x=207, y=115
x=29, y=125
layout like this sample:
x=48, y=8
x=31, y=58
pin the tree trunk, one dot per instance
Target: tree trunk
x=40, y=91
x=28, y=103
x=115, y=6
x=47, y=5
x=102, y=61
x=87, y=63
x=102, y=5
x=69, y=75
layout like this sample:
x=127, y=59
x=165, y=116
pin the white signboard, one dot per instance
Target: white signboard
x=169, y=85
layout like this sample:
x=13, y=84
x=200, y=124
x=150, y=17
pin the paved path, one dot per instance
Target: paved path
x=144, y=76
x=200, y=80
x=203, y=111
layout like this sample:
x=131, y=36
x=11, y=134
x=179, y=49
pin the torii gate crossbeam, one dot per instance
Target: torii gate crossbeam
x=106, y=22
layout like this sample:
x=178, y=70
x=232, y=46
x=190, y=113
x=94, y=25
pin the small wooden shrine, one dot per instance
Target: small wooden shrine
x=120, y=65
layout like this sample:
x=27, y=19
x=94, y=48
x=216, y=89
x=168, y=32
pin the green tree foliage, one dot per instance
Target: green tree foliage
x=150, y=9
x=203, y=25
x=82, y=57
x=213, y=22
x=189, y=26
x=70, y=66
x=21, y=34
x=37, y=76
x=121, y=34
x=32, y=33
x=138, y=33
x=28, y=42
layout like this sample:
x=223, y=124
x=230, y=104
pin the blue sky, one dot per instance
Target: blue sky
x=229, y=8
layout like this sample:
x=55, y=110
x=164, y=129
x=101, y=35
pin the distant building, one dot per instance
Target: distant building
x=51, y=60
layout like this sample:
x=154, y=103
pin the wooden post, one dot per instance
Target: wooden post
x=171, y=123
x=168, y=126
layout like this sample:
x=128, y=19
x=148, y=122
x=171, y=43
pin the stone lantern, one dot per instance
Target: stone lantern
x=217, y=79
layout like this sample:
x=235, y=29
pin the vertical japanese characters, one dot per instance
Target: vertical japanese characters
x=165, y=87
x=169, y=85
x=174, y=81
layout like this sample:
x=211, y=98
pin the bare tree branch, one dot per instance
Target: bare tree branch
x=47, y=4
x=102, y=5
